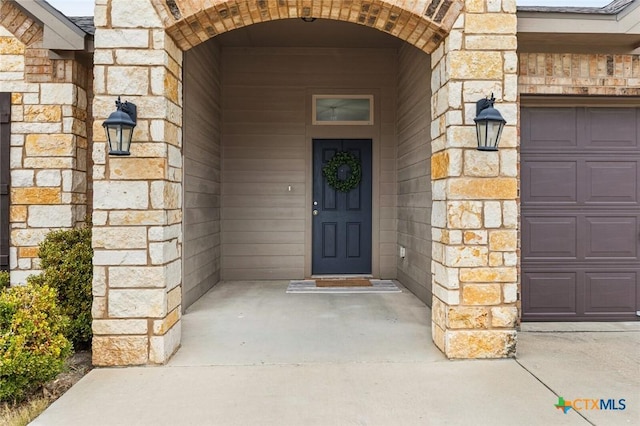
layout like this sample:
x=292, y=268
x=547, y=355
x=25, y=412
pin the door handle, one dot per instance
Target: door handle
x=315, y=212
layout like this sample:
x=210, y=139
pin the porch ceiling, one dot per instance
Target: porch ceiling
x=320, y=33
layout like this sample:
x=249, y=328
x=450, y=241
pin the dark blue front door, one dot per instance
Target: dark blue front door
x=341, y=220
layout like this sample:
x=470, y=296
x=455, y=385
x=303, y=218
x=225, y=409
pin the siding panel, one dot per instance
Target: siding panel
x=265, y=137
x=202, y=132
x=413, y=173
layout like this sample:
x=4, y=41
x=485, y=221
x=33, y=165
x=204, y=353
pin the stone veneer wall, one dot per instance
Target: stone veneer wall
x=48, y=137
x=137, y=216
x=475, y=207
x=579, y=74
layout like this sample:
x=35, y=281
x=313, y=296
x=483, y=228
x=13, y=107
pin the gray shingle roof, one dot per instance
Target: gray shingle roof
x=85, y=23
x=612, y=8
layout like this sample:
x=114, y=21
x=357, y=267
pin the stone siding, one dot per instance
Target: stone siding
x=579, y=74
x=475, y=208
x=49, y=141
x=137, y=203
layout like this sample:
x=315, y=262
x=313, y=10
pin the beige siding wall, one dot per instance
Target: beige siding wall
x=414, y=174
x=267, y=148
x=201, y=141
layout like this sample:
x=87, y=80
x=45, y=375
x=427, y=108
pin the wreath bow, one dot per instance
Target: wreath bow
x=330, y=171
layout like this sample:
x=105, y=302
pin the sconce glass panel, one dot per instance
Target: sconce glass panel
x=343, y=109
x=119, y=139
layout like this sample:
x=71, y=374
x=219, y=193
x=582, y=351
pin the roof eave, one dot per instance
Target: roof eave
x=60, y=33
x=625, y=21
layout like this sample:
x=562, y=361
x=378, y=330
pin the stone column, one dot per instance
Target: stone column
x=137, y=202
x=475, y=208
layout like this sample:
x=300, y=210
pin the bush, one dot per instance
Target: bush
x=4, y=280
x=33, y=347
x=66, y=260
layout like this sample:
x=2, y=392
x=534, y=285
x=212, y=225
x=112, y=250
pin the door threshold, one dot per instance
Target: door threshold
x=342, y=277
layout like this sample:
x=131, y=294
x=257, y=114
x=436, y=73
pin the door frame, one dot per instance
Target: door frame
x=343, y=132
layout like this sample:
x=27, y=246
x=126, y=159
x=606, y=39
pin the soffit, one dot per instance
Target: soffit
x=612, y=29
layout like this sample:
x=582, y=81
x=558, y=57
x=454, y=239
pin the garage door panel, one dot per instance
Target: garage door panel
x=561, y=120
x=580, y=213
x=610, y=292
x=550, y=292
x=610, y=128
x=611, y=182
x=549, y=238
x=611, y=237
x=550, y=181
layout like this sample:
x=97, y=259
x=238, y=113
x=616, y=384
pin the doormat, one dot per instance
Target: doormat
x=343, y=283
x=309, y=286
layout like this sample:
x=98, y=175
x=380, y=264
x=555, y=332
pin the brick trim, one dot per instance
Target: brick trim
x=579, y=74
x=422, y=24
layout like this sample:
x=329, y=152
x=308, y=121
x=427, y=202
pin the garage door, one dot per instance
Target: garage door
x=580, y=170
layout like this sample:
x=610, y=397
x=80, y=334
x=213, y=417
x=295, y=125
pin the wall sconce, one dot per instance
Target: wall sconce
x=119, y=127
x=489, y=124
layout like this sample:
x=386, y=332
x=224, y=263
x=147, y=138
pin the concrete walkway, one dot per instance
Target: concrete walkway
x=254, y=355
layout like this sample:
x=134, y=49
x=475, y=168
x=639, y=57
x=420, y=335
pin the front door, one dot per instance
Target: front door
x=341, y=220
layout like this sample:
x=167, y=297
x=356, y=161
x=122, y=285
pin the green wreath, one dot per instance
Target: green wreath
x=330, y=171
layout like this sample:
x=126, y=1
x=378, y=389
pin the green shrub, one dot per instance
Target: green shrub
x=4, y=280
x=66, y=260
x=33, y=347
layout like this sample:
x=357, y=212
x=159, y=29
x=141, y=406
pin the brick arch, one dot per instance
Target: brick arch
x=422, y=24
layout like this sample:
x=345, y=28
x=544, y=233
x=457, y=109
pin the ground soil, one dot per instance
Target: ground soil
x=78, y=365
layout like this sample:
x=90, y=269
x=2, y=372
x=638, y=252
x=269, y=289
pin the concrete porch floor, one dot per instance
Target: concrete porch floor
x=256, y=323
x=253, y=355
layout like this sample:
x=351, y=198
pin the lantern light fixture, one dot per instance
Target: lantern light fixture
x=489, y=124
x=119, y=127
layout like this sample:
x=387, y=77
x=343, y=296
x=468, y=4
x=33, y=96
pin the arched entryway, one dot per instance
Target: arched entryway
x=148, y=282
x=422, y=24
x=249, y=138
